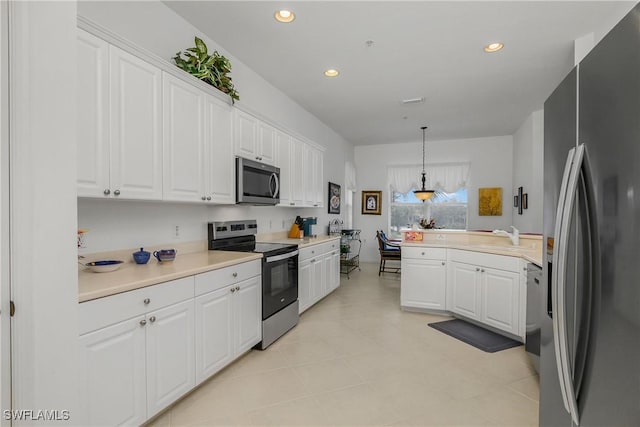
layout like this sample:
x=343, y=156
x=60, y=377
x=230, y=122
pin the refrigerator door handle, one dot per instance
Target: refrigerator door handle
x=560, y=337
x=554, y=273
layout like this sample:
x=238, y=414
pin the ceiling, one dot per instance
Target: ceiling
x=421, y=49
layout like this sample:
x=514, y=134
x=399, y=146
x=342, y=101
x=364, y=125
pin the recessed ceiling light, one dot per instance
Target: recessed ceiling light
x=285, y=16
x=331, y=72
x=493, y=47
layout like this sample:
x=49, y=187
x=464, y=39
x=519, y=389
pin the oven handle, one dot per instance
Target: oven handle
x=281, y=257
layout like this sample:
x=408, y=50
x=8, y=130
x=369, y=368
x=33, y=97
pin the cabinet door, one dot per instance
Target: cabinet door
x=246, y=135
x=220, y=171
x=334, y=270
x=112, y=374
x=248, y=310
x=308, y=179
x=183, y=144
x=214, y=332
x=423, y=284
x=93, y=115
x=465, y=290
x=317, y=178
x=266, y=144
x=136, y=127
x=318, y=279
x=297, y=172
x=305, y=279
x=170, y=355
x=501, y=299
x=283, y=161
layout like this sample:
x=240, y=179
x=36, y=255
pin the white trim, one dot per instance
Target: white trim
x=166, y=66
x=5, y=238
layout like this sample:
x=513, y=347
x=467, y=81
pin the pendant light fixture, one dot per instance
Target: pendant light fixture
x=423, y=194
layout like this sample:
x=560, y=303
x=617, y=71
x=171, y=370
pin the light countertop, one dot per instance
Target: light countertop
x=530, y=247
x=133, y=276
x=193, y=258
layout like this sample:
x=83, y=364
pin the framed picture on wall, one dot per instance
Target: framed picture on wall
x=333, y=199
x=372, y=203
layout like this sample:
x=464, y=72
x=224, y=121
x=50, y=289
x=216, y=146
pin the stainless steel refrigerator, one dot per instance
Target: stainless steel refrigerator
x=590, y=332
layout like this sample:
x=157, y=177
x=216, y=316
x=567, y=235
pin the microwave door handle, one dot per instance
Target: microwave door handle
x=277, y=181
x=270, y=185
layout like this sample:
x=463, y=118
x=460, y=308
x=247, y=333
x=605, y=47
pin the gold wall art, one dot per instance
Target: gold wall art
x=490, y=201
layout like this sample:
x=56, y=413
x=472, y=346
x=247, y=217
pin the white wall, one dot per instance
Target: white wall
x=490, y=166
x=44, y=276
x=117, y=224
x=528, y=146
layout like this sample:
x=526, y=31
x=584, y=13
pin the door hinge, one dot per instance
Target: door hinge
x=12, y=308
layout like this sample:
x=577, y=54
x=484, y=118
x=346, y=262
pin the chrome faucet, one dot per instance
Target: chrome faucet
x=515, y=236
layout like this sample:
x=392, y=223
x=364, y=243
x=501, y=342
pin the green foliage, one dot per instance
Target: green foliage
x=213, y=69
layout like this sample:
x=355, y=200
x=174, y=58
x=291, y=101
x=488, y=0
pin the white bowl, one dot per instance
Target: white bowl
x=104, y=266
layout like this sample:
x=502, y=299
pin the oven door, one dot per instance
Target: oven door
x=279, y=282
x=257, y=183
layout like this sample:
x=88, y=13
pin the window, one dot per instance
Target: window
x=348, y=207
x=449, y=210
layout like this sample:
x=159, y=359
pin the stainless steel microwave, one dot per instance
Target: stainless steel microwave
x=257, y=183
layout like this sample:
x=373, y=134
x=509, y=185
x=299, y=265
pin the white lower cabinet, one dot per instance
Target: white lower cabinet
x=424, y=278
x=142, y=350
x=318, y=273
x=170, y=355
x=464, y=290
x=501, y=299
x=485, y=288
x=228, y=319
x=112, y=374
x=131, y=369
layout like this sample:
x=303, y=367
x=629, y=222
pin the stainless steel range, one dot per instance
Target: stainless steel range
x=279, y=274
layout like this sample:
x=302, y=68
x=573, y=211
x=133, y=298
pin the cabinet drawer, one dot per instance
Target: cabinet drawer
x=96, y=314
x=424, y=253
x=218, y=279
x=319, y=249
x=500, y=262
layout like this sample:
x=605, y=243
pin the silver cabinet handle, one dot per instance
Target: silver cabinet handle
x=208, y=197
x=233, y=289
x=235, y=274
x=443, y=263
x=203, y=198
x=292, y=204
x=146, y=301
x=477, y=269
x=482, y=270
x=143, y=322
x=237, y=288
x=107, y=192
x=422, y=253
x=116, y=193
x=152, y=319
x=315, y=204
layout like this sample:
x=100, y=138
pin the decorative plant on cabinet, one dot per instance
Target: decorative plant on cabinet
x=213, y=69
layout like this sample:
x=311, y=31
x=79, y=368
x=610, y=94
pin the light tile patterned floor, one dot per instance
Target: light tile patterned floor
x=356, y=359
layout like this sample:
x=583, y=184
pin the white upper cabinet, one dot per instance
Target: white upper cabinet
x=184, y=142
x=254, y=139
x=297, y=173
x=283, y=161
x=266, y=143
x=136, y=127
x=119, y=123
x=220, y=169
x=93, y=115
x=312, y=164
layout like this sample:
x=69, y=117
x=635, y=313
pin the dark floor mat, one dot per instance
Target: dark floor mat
x=475, y=335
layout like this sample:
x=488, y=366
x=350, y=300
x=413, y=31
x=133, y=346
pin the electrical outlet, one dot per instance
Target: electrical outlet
x=177, y=233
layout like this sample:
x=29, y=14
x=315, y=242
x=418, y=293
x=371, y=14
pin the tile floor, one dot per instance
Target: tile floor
x=356, y=359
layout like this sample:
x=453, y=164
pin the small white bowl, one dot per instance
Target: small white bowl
x=104, y=266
